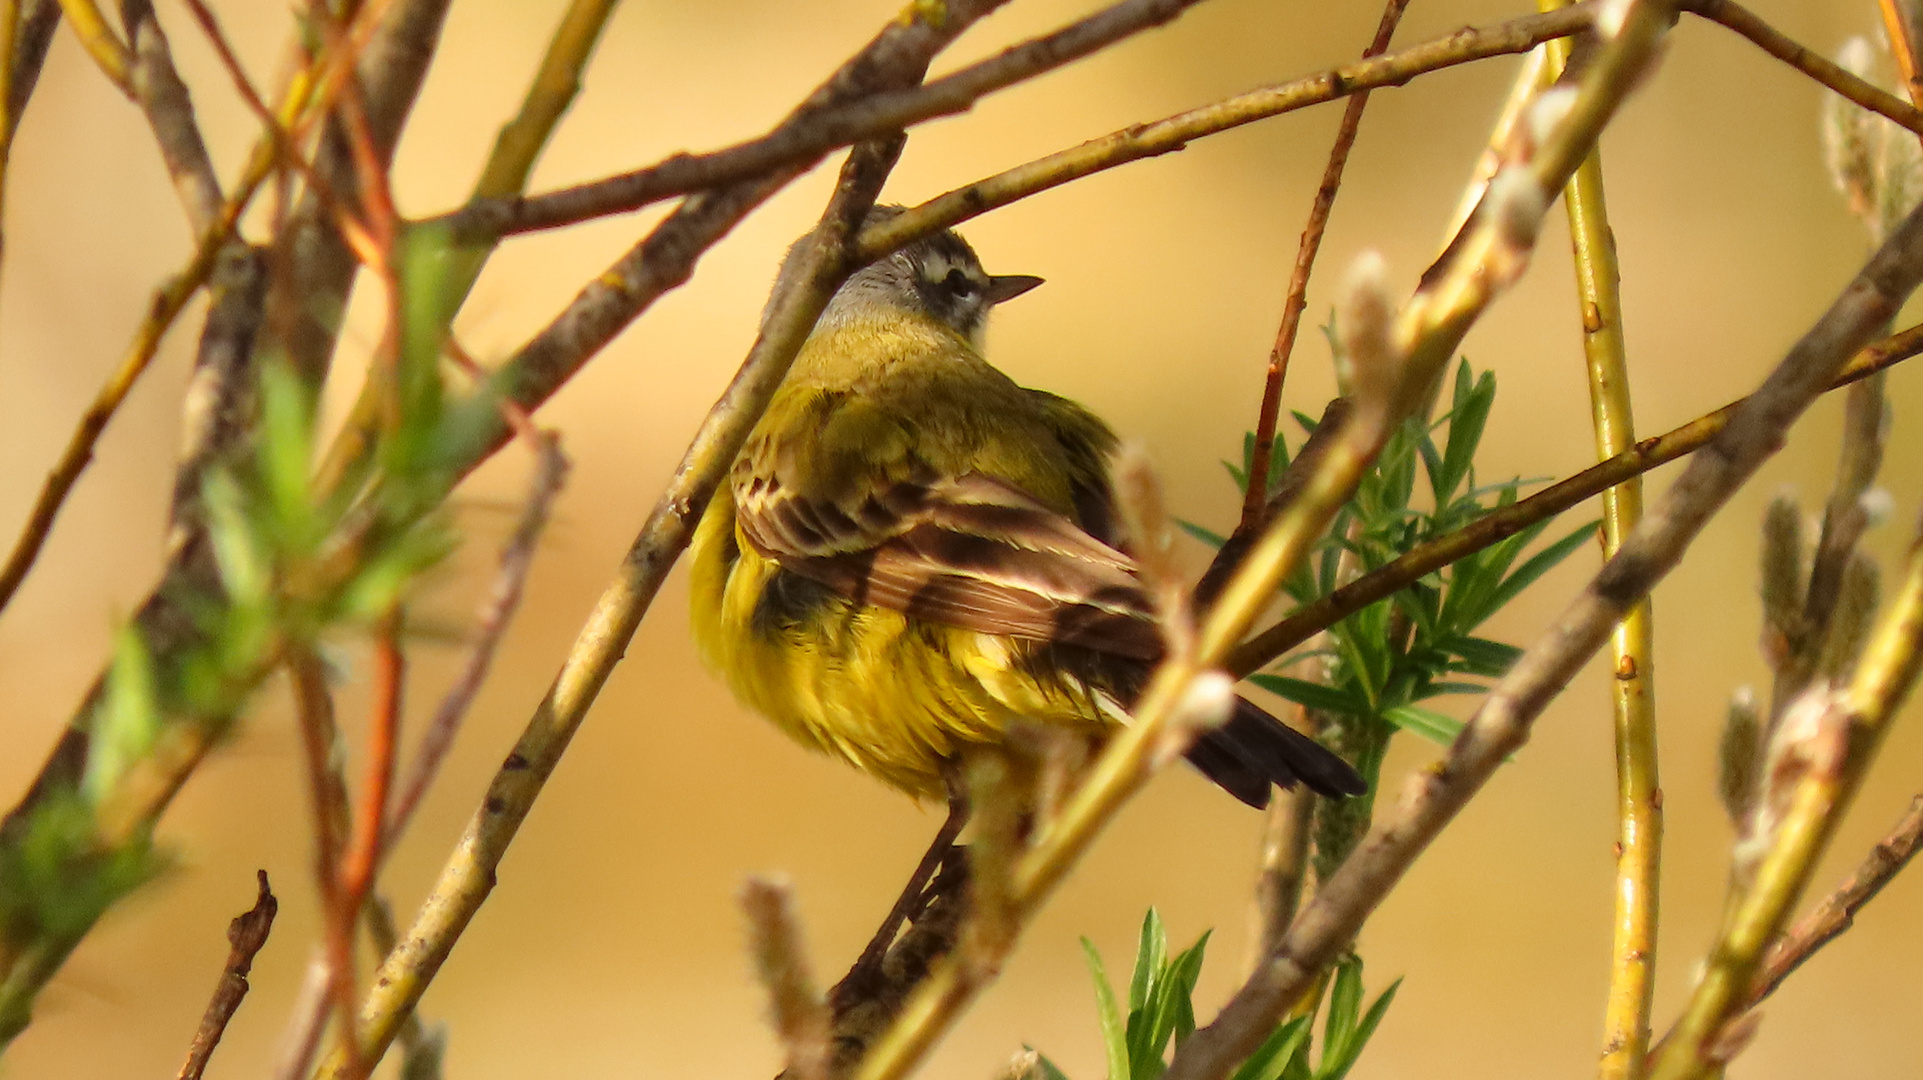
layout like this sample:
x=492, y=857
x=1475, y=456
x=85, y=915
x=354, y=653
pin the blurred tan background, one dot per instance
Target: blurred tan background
x=612, y=946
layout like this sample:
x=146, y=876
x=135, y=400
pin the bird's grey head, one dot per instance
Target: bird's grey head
x=938, y=276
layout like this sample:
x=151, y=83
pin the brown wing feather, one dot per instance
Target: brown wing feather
x=968, y=551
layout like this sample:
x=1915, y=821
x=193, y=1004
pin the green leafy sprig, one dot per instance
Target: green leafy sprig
x=1161, y=1011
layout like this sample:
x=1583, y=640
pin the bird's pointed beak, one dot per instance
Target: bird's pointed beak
x=1008, y=286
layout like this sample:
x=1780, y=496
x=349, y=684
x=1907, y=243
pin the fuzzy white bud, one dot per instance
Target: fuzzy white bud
x=1611, y=16
x=1877, y=505
x=1547, y=113
x=1365, y=325
x=1513, y=208
x=1208, y=701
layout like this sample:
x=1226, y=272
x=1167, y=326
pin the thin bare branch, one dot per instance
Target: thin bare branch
x=161, y=95
x=517, y=557
x=366, y=847
x=1814, y=64
x=327, y=790
x=810, y=133
x=246, y=935
x=389, y=45
x=1255, y=497
x=1172, y=133
x=1284, y=867
x=1836, y=912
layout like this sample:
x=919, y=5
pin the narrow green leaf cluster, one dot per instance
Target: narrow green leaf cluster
x=1161, y=1010
x=1420, y=643
x=1382, y=662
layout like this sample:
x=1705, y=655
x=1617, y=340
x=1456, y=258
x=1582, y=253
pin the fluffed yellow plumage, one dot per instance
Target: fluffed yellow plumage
x=913, y=551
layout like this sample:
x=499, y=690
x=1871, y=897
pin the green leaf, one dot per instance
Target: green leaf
x=1212, y=539
x=1481, y=656
x=130, y=720
x=1436, y=689
x=1145, y=1000
x=1237, y=474
x=1427, y=723
x=1313, y=695
x=241, y=554
x=1276, y=1052
x=1373, y=1018
x=1466, y=423
x=1336, y=1063
x=55, y=877
x=1432, y=465
x=1539, y=564
x=1114, y=1037
x=1173, y=1009
x=1150, y=951
x=1345, y=1005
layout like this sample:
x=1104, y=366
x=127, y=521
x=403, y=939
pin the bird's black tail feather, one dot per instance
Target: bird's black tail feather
x=1253, y=750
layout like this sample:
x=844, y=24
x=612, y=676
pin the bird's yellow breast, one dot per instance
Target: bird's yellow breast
x=893, y=696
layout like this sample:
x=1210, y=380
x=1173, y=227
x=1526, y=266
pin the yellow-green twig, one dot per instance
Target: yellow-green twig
x=166, y=307
x=555, y=85
x=101, y=43
x=1837, y=744
x=1502, y=135
x=1639, y=814
x=1897, y=25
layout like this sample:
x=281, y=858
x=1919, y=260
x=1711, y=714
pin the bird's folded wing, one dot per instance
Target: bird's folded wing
x=967, y=551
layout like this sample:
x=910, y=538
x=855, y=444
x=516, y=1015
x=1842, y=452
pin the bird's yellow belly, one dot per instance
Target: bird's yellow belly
x=895, y=697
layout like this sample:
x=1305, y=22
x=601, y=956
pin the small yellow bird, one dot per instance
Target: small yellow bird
x=913, y=552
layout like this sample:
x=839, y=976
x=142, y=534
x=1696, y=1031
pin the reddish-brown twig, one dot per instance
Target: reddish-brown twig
x=279, y=138
x=320, y=739
x=1256, y=497
x=363, y=856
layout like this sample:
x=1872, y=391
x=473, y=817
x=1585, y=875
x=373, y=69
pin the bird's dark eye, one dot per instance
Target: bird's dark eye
x=960, y=284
